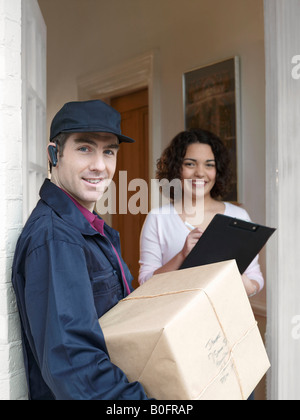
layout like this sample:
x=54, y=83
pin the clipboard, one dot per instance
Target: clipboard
x=228, y=238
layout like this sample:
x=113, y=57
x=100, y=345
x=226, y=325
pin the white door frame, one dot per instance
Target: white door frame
x=282, y=42
x=34, y=92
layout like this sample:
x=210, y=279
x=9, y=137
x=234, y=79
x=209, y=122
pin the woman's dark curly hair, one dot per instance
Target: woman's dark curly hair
x=169, y=166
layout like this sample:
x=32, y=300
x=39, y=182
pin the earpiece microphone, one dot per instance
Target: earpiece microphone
x=53, y=155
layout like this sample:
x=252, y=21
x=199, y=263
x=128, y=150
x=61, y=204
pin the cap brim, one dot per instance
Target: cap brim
x=122, y=139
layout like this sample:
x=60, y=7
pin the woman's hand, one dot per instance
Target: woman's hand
x=178, y=260
x=251, y=286
x=190, y=242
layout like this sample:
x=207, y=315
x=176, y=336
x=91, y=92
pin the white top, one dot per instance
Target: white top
x=164, y=235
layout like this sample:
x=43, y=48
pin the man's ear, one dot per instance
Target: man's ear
x=52, y=154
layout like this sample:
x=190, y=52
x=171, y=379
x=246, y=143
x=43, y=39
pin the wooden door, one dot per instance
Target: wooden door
x=133, y=159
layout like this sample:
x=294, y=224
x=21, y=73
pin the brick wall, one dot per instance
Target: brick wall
x=12, y=376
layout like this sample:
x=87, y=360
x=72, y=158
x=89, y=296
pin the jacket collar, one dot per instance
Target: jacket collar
x=55, y=198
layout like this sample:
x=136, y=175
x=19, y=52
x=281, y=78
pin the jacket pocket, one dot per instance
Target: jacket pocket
x=107, y=290
x=104, y=282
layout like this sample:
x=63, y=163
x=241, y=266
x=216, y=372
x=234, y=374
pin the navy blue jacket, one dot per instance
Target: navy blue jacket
x=66, y=276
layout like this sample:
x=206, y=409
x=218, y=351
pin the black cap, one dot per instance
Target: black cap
x=88, y=117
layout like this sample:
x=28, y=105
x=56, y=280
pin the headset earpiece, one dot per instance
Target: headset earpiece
x=53, y=154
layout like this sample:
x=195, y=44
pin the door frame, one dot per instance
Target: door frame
x=34, y=103
x=282, y=43
x=135, y=74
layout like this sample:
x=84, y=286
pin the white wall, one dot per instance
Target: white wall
x=12, y=376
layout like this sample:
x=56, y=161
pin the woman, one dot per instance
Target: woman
x=167, y=237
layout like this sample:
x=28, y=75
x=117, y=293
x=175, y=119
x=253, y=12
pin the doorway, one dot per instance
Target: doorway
x=133, y=163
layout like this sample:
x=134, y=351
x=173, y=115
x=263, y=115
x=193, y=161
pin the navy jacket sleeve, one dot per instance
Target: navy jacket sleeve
x=69, y=343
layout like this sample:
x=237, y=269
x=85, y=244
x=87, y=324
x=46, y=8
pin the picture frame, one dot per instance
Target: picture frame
x=212, y=102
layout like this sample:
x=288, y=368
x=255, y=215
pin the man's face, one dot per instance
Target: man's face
x=87, y=166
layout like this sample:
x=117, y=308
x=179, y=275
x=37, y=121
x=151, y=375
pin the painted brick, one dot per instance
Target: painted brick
x=10, y=91
x=11, y=9
x=13, y=387
x=10, y=330
x=15, y=185
x=13, y=356
x=12, y=375
x=3, y=265
x=7, y=300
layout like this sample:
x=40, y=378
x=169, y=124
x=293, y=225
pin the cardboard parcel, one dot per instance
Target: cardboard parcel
x=188, y=335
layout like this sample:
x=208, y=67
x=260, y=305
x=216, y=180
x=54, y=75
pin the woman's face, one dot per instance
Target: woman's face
x=199, y=166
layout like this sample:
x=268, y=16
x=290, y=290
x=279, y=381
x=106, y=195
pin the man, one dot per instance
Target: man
x=68, y=269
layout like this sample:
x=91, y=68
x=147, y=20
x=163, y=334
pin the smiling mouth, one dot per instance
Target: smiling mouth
x=199, y=182
x=93, y=181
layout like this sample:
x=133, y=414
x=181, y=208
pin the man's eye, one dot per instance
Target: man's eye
x=109, y=152
x=83, y=149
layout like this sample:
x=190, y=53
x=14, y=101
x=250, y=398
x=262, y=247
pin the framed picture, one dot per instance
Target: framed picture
x=212, y=102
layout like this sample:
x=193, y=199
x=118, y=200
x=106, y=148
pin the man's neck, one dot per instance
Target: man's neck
x=88, y=206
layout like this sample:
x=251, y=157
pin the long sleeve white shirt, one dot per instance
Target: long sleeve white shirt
x=164, y=235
